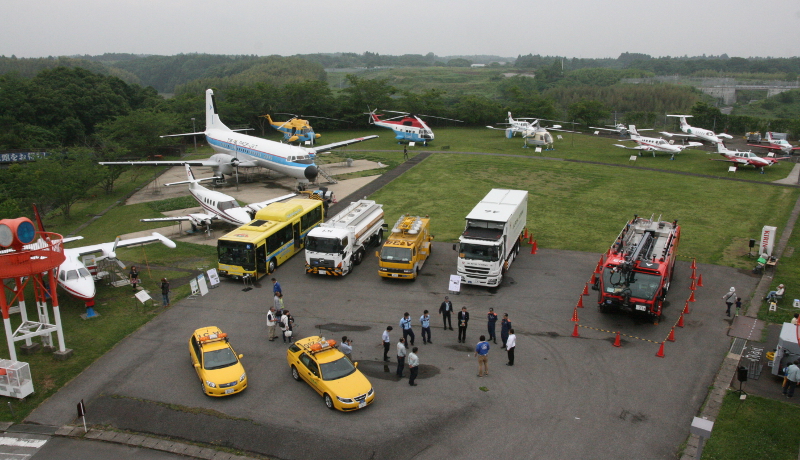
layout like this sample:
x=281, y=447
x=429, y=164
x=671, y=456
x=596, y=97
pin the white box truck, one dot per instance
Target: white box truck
x=492, y=237
x=336, y=246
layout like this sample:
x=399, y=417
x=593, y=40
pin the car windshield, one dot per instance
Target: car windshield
x=641, y=285
x=326, y=245
x=480, y=252
x=390, y=254
x=218, y=359
x=337, y=369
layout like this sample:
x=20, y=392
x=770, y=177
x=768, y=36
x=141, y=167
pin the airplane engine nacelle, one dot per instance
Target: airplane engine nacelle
x=16, y=233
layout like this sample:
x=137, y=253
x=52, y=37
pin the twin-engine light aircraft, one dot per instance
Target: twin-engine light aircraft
x=407, y=127
x=745, y=158
x=216, y=205
x=696, y=133
x=240, y=150
x=618, y=128
x=652, y=144
x=777, y=142
x=296, y=129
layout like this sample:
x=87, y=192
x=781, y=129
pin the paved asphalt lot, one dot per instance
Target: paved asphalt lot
x=565, y=397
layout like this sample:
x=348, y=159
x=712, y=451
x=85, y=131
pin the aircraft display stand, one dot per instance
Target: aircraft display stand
x=30, y=258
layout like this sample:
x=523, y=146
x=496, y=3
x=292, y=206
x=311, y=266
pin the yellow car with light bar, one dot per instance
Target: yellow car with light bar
x=218, y=366
x=330, y=373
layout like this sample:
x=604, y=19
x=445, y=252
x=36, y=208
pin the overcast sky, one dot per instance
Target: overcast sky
x=571, y=28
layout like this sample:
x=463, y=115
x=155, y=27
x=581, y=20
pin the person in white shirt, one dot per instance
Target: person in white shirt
x=413, y=366
x=401, y=357
x=272, y=321
x=511, y=344
x=346, y=347
x=387, y=343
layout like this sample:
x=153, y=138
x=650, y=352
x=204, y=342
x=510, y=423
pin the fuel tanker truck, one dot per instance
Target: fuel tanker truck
x=636, y=273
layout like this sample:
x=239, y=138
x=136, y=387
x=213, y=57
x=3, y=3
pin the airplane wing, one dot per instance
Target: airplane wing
x=256, y=206
x=638, y=147
x=604, y=129
x=676, y=134
x=207, y=162
x=108, y=248
x=694, y=144
x=336, y=145
x=196, y=218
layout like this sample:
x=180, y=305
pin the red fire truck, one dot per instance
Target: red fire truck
x=638, y=267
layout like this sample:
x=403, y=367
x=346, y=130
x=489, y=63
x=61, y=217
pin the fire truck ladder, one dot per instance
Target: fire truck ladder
x=641, y=250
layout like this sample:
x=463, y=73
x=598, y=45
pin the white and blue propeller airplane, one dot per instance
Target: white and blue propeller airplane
x=236, y=150
x=652, y=144
x=696, y=133
x=216, y=205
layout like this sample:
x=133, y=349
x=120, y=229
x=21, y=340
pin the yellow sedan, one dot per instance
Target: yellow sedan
x=217, y=365
x=329, y=372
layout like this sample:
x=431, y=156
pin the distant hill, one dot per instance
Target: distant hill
x=784, y=105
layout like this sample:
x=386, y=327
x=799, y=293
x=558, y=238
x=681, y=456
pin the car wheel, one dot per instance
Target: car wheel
x=295, y=374
x=328, y=401
x=271, y=266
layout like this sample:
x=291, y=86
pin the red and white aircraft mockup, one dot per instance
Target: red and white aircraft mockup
x=775, y=144
x=653, y=144
x=696, y=133
x=745, y=158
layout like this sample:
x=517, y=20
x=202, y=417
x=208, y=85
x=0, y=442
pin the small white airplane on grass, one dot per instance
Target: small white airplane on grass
x=778, y=143
x=619, y=128
x=652, y=144
x=745, y=158
x=216, y=205
x=697, y=133
x=76, y=279
x=236, y=150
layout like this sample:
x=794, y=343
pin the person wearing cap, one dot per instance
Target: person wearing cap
x=729, y=299
x=446, y=309
x=492, y=318
x=773, y=295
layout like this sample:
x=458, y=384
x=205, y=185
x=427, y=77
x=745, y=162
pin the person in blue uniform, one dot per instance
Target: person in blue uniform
x=492, y=318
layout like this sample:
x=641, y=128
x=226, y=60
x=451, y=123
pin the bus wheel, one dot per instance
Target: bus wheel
x=271, y=266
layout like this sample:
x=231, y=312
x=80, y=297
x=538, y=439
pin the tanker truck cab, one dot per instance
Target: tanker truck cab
x=492, y=236
x=406, y=249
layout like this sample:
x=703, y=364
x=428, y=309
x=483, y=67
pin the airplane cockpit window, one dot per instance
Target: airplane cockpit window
x=83, y=272
x=62, y=275
x=72, y=275
x=223, y=205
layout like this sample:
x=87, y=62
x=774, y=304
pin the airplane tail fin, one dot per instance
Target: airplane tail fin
x=510, y=120
x=189, y=173
x=721, y=147
x=632, y=130
x=212, y=117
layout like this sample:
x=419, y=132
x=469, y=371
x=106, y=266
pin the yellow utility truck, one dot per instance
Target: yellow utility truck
x=406, y=249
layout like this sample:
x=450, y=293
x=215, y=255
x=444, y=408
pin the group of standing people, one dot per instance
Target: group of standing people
x=279, y=316
x=133, y=277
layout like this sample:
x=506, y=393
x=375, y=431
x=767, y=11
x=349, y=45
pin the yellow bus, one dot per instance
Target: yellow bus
x=277, y=233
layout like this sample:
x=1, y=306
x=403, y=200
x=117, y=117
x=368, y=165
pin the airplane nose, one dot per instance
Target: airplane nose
x=311, y=172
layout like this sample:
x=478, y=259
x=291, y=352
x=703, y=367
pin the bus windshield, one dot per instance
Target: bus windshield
x=326, y=245
x=640, y=285
x=390, y=254
x=237, y=253
x=480, y=252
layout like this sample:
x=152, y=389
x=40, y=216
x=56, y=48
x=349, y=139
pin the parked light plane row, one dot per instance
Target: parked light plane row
x=653, y=144
x=240, y=150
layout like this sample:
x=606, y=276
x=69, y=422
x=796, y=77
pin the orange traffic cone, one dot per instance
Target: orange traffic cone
x=575, y=315
x=534, y=247
x=594, y=278
x=617, y=342
x=600, y=263
x=694, y=264
x=693, y=275
x=530, y=238
x=580, y=302
x=686, y=308
x=693, y=287
x=691, y=297
x=575, y=331
x=671, y=337
x=680, y=321
x=598, y=268
x=660, y=353
x=585, y=289
x=700, y=280
x=526, y=234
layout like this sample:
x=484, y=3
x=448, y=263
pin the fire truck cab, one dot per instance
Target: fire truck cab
x=637, y=270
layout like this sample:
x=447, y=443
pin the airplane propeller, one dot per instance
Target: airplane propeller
x=420, y=115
